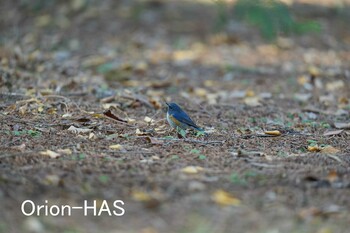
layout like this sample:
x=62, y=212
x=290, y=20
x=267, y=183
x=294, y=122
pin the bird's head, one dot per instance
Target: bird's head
x=173, y=107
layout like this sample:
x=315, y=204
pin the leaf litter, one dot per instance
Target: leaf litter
x=259, y=103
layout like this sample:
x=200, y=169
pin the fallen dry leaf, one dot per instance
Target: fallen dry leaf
x=250, y=93
x=200, y=92
x=138, y=132
x=332, y=176
x=67, y=115
x=140, y=196
x=334, y=157
x=109, y=114
x=116, y=147
x=273, y=132
x=311, y=212
x=52, y=180
x=65, y=151
x=192, y=169
x=92, y=136
x=302, y=97
x=335, y=85
x=315, y=148
x=303, y=79
x=19, y=147
x=107, y=106
x=148, y=119
x=253, y=101
x=79, y=130
x=224, y=198
x=324, y=150
x=130, y=120
x=97, y=115
x=50, y=153
x=308, y=213
x=156, y=103
x=329, y=150
x=154, y=140
x=313, y=70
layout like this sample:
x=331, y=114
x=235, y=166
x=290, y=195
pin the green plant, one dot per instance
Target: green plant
x=242, y=179
x=195, y=151
x=222, y=16
x=200, y=133
x=272, y=17
x=32, y=133
x=182, y=132
x=103, y=179
x=312, y=142
x=237, y=179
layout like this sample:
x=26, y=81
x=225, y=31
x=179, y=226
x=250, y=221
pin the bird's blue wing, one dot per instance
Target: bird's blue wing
x=185, y=119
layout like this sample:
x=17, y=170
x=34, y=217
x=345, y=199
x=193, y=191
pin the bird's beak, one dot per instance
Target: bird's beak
x=166, y=103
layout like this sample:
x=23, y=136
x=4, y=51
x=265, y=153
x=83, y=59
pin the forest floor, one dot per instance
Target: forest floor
x=82, y=117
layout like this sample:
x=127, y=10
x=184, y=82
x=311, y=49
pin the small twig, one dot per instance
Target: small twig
x=205, y=142
x=138, y=98
x=75, y=93
x=192, y=140
x=265, y=165
x=334, y=157
x=121, y=123
x=57, y=97
x=8, y=155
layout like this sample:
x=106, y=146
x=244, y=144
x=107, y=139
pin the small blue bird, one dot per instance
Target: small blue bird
x=178, y=118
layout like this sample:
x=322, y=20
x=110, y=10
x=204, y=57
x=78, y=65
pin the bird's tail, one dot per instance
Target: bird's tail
x=200, y=129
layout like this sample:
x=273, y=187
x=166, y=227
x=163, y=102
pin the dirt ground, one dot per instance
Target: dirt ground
x=82, y=117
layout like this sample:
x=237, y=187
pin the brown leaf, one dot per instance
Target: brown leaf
x=329, y=150
x=332, y=176
x=154, y=140
x=156, y=103
x=109, y=114
x=308, y=213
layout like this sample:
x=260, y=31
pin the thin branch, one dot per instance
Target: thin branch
x=192, y=141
